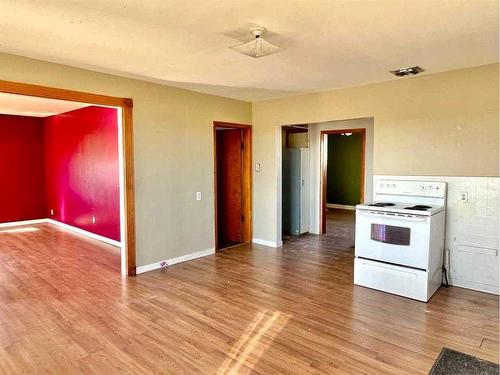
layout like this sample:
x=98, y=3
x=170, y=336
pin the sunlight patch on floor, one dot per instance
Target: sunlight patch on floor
x=256, y=339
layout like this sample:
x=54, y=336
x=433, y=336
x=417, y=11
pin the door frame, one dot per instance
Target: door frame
x=246, y=189
x=127, y=150
x=324, y=169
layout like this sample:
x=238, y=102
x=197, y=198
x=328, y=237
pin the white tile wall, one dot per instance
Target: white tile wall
x=472, y=230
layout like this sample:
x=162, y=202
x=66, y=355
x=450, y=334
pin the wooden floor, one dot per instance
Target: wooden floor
x=65, y=309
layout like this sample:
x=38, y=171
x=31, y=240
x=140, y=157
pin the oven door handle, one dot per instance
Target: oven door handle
x=385, y=215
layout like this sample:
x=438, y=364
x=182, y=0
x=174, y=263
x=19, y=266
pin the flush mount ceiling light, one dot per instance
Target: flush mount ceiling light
x=411, y=71
x=259, y=47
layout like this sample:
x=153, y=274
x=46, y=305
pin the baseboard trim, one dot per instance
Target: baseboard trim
x=341, y=206
x=258, y=241
x=480, y=287
x=23, y=222
x=62, y=225
x=172, y=261
x=85, y=233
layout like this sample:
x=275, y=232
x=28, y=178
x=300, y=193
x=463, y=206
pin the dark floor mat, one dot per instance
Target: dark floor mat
x=451, y=362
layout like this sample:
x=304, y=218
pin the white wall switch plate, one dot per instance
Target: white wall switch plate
x=93, y=219
x=198, y=195
x=257, y=167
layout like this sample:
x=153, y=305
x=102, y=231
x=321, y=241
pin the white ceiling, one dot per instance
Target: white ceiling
x=328, y=43
x=23, y=105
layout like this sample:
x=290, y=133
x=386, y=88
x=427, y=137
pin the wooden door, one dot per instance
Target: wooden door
x=229, y=186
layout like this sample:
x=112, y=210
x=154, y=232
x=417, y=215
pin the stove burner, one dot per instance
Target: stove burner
x=418, y=207
x=382, y=204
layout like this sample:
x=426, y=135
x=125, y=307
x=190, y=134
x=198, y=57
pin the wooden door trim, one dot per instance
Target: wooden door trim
x=126, y=104
x=246, y=194
x=324, y=169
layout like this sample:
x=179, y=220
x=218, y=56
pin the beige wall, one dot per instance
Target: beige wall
x=173, y=152
x=441, y=124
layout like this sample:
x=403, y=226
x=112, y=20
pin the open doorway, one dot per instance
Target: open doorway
x=342, y=179
x=314, y=137
x=76, y=173
x=232, y=180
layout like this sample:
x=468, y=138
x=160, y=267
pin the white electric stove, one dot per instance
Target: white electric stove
x=400, y=238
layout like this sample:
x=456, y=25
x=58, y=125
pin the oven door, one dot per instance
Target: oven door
x=393, y=238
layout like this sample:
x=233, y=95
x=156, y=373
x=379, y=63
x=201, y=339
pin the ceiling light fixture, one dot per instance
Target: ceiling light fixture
x=259, y=47
x=411, y=71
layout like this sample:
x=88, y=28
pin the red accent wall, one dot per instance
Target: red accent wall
x=22, y=194
x=82, y=171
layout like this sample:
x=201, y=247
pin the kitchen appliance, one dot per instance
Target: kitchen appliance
x=400, y=238
x=295, y=186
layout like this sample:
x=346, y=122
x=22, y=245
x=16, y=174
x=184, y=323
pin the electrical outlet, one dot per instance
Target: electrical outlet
x=464, y=196
x=198, y=195
x=51, y=212
x=257, y=167
x=93, y=219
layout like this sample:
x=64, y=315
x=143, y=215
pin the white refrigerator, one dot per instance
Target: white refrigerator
x=295, y=189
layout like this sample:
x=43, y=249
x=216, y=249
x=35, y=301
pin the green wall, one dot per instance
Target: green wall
x=344, y=169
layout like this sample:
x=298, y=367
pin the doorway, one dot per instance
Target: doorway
x=232, y=180
x=122, y=111
x=342, y=177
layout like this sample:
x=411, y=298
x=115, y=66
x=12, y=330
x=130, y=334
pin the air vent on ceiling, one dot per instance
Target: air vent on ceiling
x=411, y=71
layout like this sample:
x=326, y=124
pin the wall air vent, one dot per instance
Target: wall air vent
x=407, y=71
